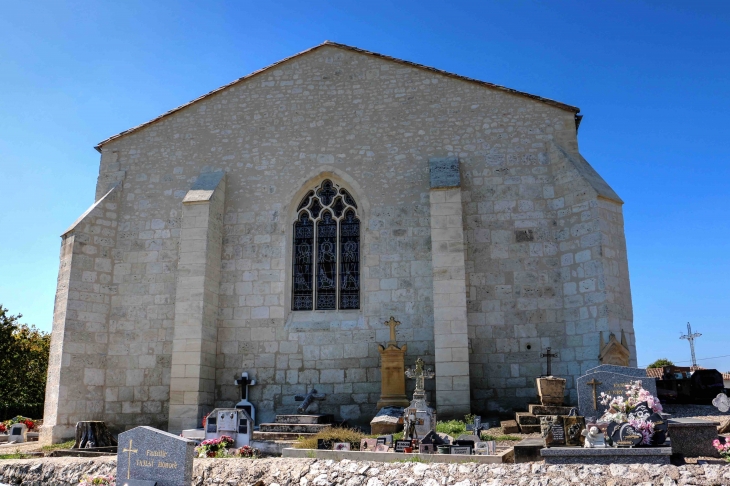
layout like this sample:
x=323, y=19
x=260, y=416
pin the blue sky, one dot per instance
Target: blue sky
x=651, y=79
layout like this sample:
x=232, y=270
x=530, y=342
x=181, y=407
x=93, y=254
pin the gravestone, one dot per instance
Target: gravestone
x=233, y=422
x=623, y=435
x=17, y=433
x=150, y=454
x=419, y=415
x=368, y=445
x=552, y=430
x=400, y=445
x=591, y=385
x=639, y=373
x=574, y=426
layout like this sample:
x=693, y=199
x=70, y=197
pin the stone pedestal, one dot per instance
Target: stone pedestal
x=393, y=377
x=551, y=390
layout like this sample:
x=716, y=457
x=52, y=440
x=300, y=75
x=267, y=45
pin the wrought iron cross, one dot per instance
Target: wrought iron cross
x=308, y=399
x=549, y=357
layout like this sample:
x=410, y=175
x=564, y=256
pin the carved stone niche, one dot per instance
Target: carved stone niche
x=614, y=352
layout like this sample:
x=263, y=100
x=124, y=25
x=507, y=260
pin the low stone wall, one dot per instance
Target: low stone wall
x=312, y=472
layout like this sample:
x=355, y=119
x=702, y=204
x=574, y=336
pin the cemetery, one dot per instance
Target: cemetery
x=618, y=423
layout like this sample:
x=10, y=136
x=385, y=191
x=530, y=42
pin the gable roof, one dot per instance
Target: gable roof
x=548, y=101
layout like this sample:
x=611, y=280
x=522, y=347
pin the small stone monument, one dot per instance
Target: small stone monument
x=550, y=388
x=17, y=433
x=149, y=454
x=233, y=422
x=419, y=414
x=614, y=352
x=392, y=381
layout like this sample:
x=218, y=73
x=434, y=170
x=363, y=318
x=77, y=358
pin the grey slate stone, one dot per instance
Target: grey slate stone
x=607, y=455
x=151, y=454
x=624, y=370
x=444, y=172
x=611, y=384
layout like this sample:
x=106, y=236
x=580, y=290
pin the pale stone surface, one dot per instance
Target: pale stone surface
x=529, y=250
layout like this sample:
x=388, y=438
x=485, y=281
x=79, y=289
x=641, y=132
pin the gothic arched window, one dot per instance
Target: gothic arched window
x=326, y=251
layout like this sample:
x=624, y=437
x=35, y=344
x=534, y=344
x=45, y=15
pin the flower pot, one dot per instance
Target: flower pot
x=408, y=450
x=551, y=390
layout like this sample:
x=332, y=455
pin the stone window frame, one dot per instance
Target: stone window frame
x=304, y=205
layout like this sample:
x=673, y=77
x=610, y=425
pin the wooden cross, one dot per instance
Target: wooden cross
x=594, y=384
x=392, y=323
x=129, y=456
x=549, y=356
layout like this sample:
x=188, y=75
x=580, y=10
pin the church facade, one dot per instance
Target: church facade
x=273, y=225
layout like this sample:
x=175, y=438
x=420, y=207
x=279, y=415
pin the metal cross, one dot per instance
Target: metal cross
x=594, y=384
x=308, y=399
x=129, y=456
x=549, y=356
x=244, y=382
x=392, y=323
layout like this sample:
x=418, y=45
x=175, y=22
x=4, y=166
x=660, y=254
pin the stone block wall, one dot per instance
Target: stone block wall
x=370, y=125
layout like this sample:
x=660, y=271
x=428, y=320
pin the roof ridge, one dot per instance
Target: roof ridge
x=548, y=101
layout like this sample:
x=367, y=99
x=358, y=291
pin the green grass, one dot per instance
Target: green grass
x=63, y=445
x=411, y=459
x=453, y=427
x=14, y=455
x=334, y=434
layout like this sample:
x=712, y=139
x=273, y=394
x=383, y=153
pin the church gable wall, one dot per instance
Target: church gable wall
x=370, y=125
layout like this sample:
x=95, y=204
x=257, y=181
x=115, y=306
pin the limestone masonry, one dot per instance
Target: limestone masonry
x=461, y=208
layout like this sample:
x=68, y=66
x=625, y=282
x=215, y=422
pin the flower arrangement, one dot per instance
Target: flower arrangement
x=622, y=409
x=98, y=479
x=214, y=447
x=3, y=428
x=19, y=419
x=723, y=449
x=248, y=451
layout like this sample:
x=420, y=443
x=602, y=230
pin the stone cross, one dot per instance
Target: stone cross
x=129, y=456
x=420, y=375
x=477, y=426
x=594, y=384
x=549, y=357
x=308, y=399
x=392, y=323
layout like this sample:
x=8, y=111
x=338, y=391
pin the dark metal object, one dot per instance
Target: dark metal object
x=549, y=357
x=308, y=399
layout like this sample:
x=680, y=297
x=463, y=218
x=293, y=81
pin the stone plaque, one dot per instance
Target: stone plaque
x=150, y=454
x=552, y=430
x=623, y=435
x=325, y=444
x=381, y=448
x=341, y=446
x=400, y=445
x=574, y=427
x=444, y=172
x=610, y=383
x=456, y=449
x=660, y=430
x=385, y=439
x=425, y=448
x=368, y=445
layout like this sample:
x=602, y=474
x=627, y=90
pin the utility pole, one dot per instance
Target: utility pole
x=691, y=338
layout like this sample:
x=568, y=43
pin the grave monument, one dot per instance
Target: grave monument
x=392, y=375
x=418, y=413
x=149, y=454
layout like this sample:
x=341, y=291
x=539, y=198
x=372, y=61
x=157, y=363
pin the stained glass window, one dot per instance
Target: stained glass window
x=326, y=251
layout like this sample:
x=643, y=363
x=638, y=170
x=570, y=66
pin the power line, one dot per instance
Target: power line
x=699, y=359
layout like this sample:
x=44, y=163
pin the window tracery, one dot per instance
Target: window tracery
x=326, y=251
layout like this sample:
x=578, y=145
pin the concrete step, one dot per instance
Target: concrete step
x=510, y=427
x=277, y=436
x=530, y=429
x=524, y=418
x=548, y=409
x=293, y=428
x=304, y=419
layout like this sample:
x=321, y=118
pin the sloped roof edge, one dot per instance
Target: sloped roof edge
x=548, y=101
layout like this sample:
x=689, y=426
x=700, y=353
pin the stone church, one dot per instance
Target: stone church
x=274, y=224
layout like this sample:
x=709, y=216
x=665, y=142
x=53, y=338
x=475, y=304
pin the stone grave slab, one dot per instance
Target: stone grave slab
x=528, y=450
x=693, y=437
x=607, y=382
x=609, y=455
x=150, y=454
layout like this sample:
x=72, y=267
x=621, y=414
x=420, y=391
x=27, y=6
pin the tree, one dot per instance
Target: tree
x=24, y=352
x=660, y=363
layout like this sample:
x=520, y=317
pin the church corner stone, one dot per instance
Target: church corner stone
x=188, y=270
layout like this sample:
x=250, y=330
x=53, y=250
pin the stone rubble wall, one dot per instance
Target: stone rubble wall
x=312, y=472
